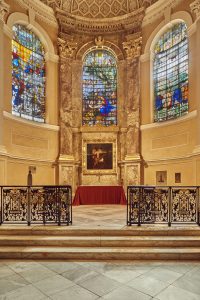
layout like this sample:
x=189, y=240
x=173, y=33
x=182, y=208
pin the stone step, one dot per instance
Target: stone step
x=100, y=253
x=100, y=241
x=125, y=231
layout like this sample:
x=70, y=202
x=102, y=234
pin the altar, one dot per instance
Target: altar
x=96, y=195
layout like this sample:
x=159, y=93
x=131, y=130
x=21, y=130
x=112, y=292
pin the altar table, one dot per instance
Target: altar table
x=91, y=195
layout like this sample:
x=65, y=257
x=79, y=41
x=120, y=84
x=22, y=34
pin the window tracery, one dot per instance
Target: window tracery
x=170, y=74
x=99, y=89
x=28, y=75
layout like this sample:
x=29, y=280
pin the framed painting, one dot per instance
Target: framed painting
x=161, y=178
x=99, y=158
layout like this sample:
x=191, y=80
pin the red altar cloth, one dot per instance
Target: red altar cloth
x=92, y=195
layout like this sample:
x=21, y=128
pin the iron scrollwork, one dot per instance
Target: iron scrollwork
x=36, y=204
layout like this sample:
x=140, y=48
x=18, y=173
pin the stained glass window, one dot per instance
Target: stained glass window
x=171, y=74
x=28, y=75
x=99, y=89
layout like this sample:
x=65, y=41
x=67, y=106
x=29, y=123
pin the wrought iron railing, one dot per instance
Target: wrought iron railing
x=36, y=205
x=167, y=205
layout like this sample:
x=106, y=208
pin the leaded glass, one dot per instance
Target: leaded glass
x=99, y=89
x=28, y=75
x=171, y=74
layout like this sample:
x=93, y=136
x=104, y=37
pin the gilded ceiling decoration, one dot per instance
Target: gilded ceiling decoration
x=98, y=8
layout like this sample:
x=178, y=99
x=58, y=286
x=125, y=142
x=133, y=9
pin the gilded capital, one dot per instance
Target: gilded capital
x=66, y=48
x=195, y=7
x=133, y=47
x=4, y=8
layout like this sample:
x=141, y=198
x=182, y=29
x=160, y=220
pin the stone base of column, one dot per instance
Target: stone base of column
x=68, y=171
x=132, y=169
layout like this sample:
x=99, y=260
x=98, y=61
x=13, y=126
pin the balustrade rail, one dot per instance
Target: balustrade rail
x=167, y=205
x=36, y=205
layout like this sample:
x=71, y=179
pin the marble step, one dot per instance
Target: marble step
x=100, y=253
x=125, y=231
x=100, y=241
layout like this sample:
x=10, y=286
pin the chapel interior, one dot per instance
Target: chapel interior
x=117, y=76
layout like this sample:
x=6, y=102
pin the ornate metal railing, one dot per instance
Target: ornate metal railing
x=167, y=205
x=36, y=204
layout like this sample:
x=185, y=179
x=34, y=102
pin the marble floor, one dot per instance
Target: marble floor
x=99, y=215
x=21, y=280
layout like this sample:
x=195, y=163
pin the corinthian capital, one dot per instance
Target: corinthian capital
x=66, y=48
x=133, y=47
x=195, y=7
x=4, y=8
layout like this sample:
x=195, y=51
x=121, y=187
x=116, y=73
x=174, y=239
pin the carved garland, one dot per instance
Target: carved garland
x=4, y=9
x=195, y=7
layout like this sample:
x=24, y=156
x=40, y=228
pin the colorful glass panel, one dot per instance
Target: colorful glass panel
x=99, y=89
x=28, y=75
x=171, y=74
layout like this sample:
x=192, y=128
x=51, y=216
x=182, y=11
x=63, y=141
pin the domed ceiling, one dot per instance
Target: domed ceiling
x=98, y=8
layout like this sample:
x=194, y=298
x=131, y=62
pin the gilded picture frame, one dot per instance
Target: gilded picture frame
x=99, y=158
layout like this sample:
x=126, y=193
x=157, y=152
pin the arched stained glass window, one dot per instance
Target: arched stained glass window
x=99, y=89
x=28, y=75
x=171, y=74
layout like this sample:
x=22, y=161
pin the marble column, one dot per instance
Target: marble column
x=132, y=159
x=66, y=158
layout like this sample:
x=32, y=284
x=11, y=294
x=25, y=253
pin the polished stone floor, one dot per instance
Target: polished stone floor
x=27, y=280
x=99, y=216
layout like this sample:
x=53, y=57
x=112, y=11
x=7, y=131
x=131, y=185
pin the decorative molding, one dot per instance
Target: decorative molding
x=51, y=57
x=157, y=10
x=192, y=29
x=8, y=32
x=195, y=8
x=42, y=11
x=133, y=47
x=9, y=116
x=130, y=22
x=189, y=116
x=3, y=150
x=99, y=129
x=4, y=9
x=145, y=57
x=66, y=48
x=99, y=41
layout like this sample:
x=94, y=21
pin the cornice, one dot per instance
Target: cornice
x=157, y=10
x=130, y=22
x=42, y=11
x=189, y=116
x=9, y=116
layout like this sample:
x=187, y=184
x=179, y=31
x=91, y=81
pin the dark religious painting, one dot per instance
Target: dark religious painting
x=99, y=89
x=170, y=71
x=28, y=75
x=100, y=156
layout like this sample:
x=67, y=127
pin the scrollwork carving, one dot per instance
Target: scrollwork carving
x=66, y=48
x=4, y=9
x=133, y=48
x=195, y=7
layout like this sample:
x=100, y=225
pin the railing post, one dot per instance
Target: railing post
x=198, y=206
x=127, y=209
x=139, y=202
x=58, y=204
x=29, y=206
x=170, y=206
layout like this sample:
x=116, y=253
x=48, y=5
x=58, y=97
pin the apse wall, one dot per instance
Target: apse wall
x=170, y=147
x=25, y=143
